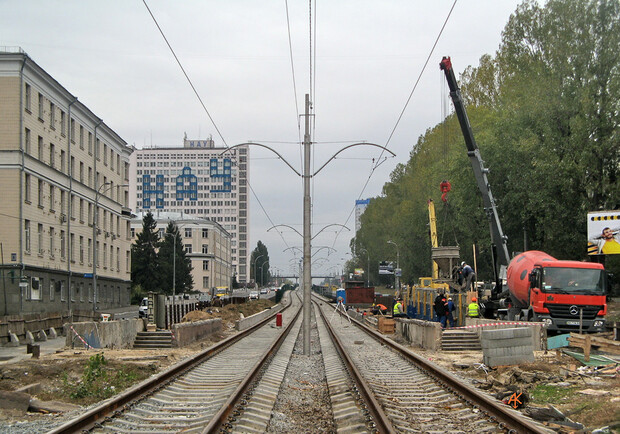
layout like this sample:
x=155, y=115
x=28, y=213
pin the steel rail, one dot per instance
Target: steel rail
x=93, y=418
x=381, y=420
x=221, y=416
x=508, y=418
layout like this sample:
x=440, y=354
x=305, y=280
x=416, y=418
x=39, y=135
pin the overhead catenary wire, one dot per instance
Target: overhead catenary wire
x=379, y=160
x=206, y=111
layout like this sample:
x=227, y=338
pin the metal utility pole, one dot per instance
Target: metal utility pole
x=307, y=237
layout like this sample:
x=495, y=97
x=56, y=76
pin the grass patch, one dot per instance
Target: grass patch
x=547, y=394
x=100, y=380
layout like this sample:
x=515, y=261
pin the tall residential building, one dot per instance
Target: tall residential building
x=197, y=180
x=206, y=243
x=360, y=207
x=65, y=236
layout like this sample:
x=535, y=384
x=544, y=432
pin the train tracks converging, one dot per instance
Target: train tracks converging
x=372, y=384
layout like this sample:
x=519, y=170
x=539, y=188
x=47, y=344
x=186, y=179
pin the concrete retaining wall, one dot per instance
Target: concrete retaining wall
x=507, y=347
x=188, y=332
x=538, y=337
x=109, y=334
x=424, y=334
x=250, y=321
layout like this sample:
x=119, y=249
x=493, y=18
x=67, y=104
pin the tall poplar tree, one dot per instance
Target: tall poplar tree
x=144, y=256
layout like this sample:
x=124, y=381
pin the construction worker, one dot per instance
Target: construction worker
x=398, y=311
x=473, y=310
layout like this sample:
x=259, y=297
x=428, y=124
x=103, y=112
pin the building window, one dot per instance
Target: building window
x=118, y=259
x=52, y=116
x=62, y=245
x=188, y=248
x=63, y=161
x=72, y=248
x=81, y=249
x=27, y=188
x=40, y=194
x=62, y=201
x=205, y=249
x=72, y=167
x=82, y=210
x=205, y=233
x=40, y=238
x=28, y=97
x=27, y=140
x=81, y=290
x=52, y=289
x=188, y=232
x=51, y=242
x=82, y=172
x=63, y=123
x=81, y=137
x=40, y=150
x=72, y=130
x=205, y=265
x=52, y=159
x=40, y=107
x=90, y=252
x=90, y=143
x=63, y=296
x=35, y=288
x=51, y=198
x=205, y=282
x=27, y=235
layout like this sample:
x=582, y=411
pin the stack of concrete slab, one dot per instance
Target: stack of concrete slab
x=507, y=346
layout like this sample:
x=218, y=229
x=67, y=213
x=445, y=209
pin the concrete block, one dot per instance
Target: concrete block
x=522, y=332
x=514, y=342
x=19, y=401
x=41, y=336
x=29, y=338
x=31, y=389
x=13, y=340
x=52, y=333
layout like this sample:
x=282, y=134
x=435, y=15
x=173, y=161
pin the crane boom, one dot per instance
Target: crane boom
x=433, y=228
x=497, y=236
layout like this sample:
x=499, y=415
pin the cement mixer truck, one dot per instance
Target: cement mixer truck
x=565, y=295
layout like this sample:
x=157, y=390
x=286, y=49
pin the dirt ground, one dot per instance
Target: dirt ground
x=583, y=395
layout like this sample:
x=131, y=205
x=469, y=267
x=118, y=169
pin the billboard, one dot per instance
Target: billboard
x=604, y=233
x=386, y=267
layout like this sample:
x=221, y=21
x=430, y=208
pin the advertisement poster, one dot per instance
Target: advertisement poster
x=604, y=233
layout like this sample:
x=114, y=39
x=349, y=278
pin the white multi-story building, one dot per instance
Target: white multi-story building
x=206, y=243
x=197, y=180
x=65, y=234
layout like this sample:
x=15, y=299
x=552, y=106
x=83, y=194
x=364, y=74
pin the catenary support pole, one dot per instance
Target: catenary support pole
x=307, y=286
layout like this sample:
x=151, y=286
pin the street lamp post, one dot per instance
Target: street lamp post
x=396, y=278
x=262, y=277
x=95, y=231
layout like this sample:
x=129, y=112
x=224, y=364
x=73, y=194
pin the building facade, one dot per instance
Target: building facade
x=62, y=171
x=197, y=180
x=207, y=244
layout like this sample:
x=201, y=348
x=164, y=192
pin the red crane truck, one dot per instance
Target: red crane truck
x=565, y=295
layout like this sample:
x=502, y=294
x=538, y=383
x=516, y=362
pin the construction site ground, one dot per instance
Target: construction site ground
x=583, y=394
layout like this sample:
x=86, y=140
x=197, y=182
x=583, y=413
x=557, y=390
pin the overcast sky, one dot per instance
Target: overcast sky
x=369, y=55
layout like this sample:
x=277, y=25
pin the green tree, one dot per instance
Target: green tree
x=144, y=262
x=259, y=261
x=175, y=272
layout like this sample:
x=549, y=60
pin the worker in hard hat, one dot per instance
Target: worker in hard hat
x=473, y=310
x=469, y=276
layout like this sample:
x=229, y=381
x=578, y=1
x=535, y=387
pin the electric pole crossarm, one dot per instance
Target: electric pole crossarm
x=266, y=147
x=350, y=146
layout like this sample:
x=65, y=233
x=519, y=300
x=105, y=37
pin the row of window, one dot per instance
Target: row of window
x=108, y=152
x=83, y=176
x=57, y=290
x=54, y=243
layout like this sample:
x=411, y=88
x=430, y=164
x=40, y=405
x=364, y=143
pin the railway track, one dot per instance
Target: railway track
x=374, y=386
x=195, y=395
x=406, y=393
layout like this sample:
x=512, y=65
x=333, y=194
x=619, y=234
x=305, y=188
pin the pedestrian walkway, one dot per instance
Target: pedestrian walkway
x=16, y=354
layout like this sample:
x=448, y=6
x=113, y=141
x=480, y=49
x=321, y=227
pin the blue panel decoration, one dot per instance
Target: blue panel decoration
x=187, y=185
x=148, y=191
x=225, y=175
